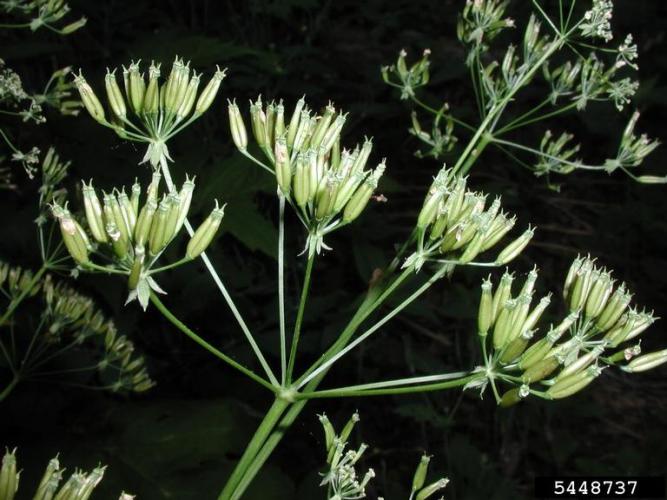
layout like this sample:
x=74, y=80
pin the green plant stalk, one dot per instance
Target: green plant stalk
x=411, y=298
x=266, y=427
x=375, y=297
x=299, y=317
x=249, y=466
x=449, y=384
x=217, y=353
x=17, y=300
x=9, y=388
x=462, y=165
x=223, y=290
x=281, y=287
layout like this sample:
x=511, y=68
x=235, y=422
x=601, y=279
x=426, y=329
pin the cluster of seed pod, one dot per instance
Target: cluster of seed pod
x=70, y=314
x=161, y=109
x=15, y=281
x=510, y=317
x=79, y=486
x=572, y=353
x=136, y=235
x=311, y=170
x=458, y=224
x=342, y=478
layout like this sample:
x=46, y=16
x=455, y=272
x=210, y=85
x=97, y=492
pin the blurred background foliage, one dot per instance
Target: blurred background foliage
x=180, y=439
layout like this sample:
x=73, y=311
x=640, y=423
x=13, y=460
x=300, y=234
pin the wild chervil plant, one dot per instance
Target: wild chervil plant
x=328, y=184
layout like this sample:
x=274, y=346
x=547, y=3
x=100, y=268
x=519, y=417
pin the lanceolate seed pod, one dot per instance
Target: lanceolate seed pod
x=294, y=122
x=283, y=165
x=279, y=127
x=136, y=193
x=205, y=233
x=333, y=133
x=363, y=194
x=430, y=209
x=49, y=482
x=210, y=91
x=499, y=228
x=158, y=227
x=114, y=95
x=90, y=482
x=540, y=370
x=237, y=127
x=301, y=180
x=185, y=197
x=535, y=353
x=347, y=430
x=73, y=235
x=326, y=199
x=137, y=87
x=180, y=89
x=514, y=396
x=120, y=246
x=329, y=433
x=301, y=132
x=89, y=99
x=581, y=363
x=347, y=189
x=516, y=347
x=190, y=96
x=473, y=248
x=258, y=122
x=502, y=326
x=9, y=477
x=322, y=126
x=144, y=222
x=581, y=286
x=574, y=383
x=270, y=123
x=616, y=306
x=151, y=103
x=431, y=489
x=503, y=294
x=536, y=313
x=174, y=202
x=93, y=210
x=646, y=362
x=128, y=211
x=153, y=187
x=137, y=267
x=485, y=316
x=115, y=214
x=419, y=478
x=515, y=248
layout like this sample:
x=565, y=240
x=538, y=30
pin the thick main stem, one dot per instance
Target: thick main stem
x=373, y=299
x=299, y=317
x=223, y=290
x=266, y=427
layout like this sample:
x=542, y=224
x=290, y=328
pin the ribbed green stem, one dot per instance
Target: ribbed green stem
x=217, y=353
x=164, y=167
x=299, y=317
x=267, y=426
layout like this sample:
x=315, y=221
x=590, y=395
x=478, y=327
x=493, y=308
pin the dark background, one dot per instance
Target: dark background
x=181, y=439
